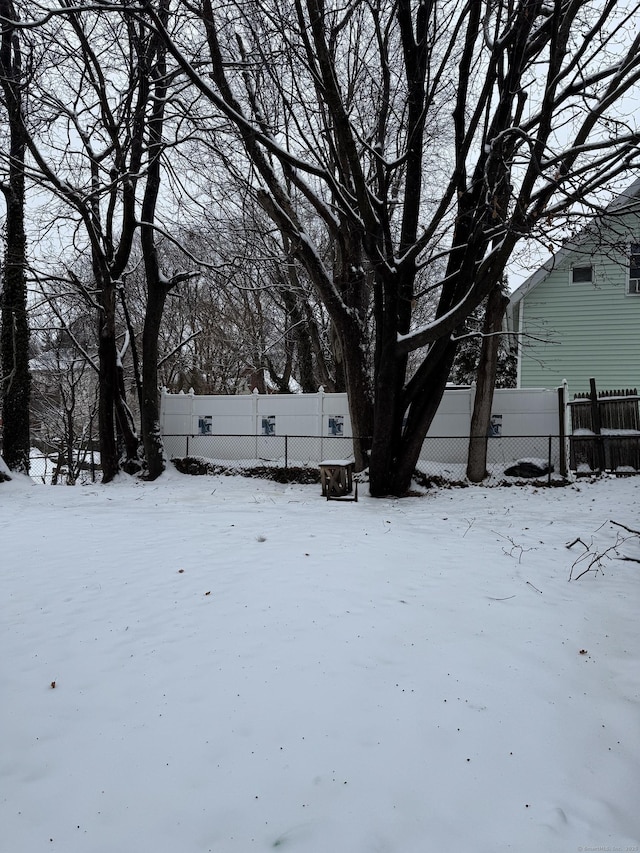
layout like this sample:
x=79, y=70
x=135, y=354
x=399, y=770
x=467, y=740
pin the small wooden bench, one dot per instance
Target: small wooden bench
x=336, y=477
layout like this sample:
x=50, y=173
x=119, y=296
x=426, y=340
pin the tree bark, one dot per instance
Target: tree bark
x=403, y=418
x=14, y=336
x=158, y=286
x=497, y=303
x=150, y=410
x=108, y=383
x=301, y=334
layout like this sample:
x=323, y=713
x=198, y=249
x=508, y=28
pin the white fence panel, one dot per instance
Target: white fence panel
x=247, y=424
x=453, y=417
x=527, y=411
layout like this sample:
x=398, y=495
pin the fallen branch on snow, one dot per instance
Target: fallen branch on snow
x=592, y=560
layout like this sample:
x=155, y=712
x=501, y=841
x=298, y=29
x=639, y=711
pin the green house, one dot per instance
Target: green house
x=578, y=316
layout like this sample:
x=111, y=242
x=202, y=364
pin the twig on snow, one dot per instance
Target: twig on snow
x=514, y=547
x=594, y=559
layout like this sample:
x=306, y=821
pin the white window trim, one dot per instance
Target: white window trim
x=636, y=281
x=581, y=266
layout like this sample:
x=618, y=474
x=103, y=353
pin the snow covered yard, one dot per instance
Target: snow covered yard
x=223, y=664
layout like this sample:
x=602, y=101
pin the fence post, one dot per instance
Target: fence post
x=562, y=438
x=187, y=448
x=549, y=464
x=286, y=451
x=163, y=408
x=256, y=419
x=320, y=420
x=595, y=419
x=192, y=405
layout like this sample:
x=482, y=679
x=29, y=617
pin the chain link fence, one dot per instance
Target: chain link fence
x=441, y=457
x=283, y=450
x=509, y=458
x=51, y=467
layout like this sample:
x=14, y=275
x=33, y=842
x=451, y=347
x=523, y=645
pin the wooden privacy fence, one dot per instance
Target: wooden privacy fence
x=605, y=431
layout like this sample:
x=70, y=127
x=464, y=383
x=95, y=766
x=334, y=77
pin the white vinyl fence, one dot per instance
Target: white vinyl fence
x=244, y=426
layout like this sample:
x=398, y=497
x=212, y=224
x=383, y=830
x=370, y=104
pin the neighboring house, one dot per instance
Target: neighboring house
x=578, y=316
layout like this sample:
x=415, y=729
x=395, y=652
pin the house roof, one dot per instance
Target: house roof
x=631, y=194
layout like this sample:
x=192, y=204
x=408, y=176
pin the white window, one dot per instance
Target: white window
x=581, y=275
x=634, y=270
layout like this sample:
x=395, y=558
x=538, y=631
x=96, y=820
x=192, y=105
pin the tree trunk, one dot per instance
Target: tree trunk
x=485, y=384
x=301, y=334
x=337, y=352
x=150, y=409
x=158, y=286
x=14, y=337
x=403, y=419
x=126, y=431
x=322, y=375
x=115, y=425
x=306, y=376
x=70, y=441
x=360, y=400
x=108, y=383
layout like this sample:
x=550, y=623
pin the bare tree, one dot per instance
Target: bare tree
x=15, y=381
x=251, y=317
x=94, y=133
x=85, y=146
x=431, y=135
x=154, y=77
x=401, y=150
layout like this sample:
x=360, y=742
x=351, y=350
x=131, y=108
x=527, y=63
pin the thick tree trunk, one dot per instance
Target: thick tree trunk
x=351, y=363
x=150, y=409
x=14, y=336
x=158, y=286
x=115, y=428
x=403, y=420
x=360, y=399
x=308, y=380
x=108, y=383
x=485, y=384
x=389, y=412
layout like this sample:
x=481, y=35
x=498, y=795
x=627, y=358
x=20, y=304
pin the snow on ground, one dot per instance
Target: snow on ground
x=241, y=665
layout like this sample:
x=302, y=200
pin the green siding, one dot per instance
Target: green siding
x=589, y=330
